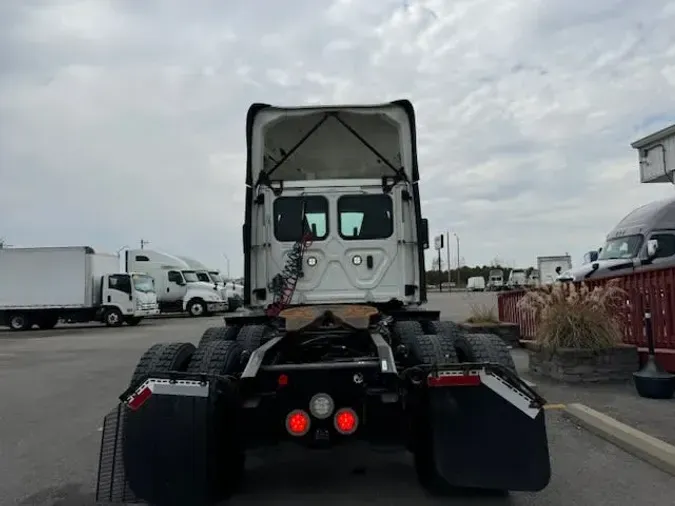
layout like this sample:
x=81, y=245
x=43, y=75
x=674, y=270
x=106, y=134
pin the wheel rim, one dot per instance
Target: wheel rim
x=113, y=318
x=18, y=322
x=197, y=309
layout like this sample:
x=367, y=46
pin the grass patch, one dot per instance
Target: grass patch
x=482, y=313
x=571, y=316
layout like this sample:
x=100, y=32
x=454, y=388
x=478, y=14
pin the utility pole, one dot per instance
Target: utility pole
x=438, y=245
x=447, y=252
x=458, y=260
x=228, y=266
x=144, y=243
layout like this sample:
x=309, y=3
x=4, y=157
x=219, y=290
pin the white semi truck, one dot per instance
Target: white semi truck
x=552, y=268
x=643, y=239
x=495, y=280
x=233, y=293
x=517, y=279
x=41, y=286
x=178, y=287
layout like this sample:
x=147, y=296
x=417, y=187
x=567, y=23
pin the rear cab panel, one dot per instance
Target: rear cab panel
x=334, y=159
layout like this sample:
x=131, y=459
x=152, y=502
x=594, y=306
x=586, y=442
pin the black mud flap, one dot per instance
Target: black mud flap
x=167, y=453
x=481, y=440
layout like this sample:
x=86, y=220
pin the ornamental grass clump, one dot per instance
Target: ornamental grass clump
x=482, y=313
x=570, y=316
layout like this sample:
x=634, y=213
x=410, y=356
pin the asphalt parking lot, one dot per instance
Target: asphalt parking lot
x=56, y=386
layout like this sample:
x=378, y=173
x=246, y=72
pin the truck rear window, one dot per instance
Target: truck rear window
x=365, y=217
x=289, y=225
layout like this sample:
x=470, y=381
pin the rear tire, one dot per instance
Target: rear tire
x=227, y=333
x=19, y=321
x=217, y=357
x=449, y=329
x=432, y=350
x=484, y=348
x=223, y=358
x=251, y=337
x=162, y=357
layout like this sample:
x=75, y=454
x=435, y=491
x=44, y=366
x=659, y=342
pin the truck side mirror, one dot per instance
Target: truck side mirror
x=593, y=255
x=652, y=248
x=425, y=233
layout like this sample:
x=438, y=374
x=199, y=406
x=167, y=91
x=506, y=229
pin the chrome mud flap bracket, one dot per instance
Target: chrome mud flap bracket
x=158, y=446
x=488, y=429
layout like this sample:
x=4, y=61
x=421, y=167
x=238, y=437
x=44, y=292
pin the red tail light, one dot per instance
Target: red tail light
x=346, y=421
x=297, y=423
x=454, y=379
x=139, y=399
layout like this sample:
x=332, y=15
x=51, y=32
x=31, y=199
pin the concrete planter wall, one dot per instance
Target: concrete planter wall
x=572, y=365
x=509, y=332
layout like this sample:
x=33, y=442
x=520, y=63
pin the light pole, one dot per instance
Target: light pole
x=228, y=265
x=458, y=265
x=447, y=252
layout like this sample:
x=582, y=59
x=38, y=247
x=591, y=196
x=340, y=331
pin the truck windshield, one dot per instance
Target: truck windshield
x=217, y=278
x=190, y=276
x=142, y=283
x=204, y=276
x=621, y=247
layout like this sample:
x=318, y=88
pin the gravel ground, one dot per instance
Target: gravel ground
x=55, y=387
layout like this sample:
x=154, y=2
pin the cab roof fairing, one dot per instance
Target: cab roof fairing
x=398, y=114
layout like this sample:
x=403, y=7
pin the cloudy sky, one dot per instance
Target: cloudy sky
x=122, y=120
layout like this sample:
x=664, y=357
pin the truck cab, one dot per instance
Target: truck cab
x=645, y=238
x=517, y=279
x=178, y=287
x=127, y=297
x=339, y=220
x=495, y=280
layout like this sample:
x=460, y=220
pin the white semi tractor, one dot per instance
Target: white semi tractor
x=495, y=280
x=178, y=287
x=553, y=268
x=643, y=239
x=42, y=286
x=231, y=291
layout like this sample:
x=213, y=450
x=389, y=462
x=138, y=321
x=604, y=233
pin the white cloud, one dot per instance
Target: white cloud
x=121, y=120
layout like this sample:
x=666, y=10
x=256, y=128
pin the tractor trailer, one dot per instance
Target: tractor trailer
x=41, y=286
x=336, y=347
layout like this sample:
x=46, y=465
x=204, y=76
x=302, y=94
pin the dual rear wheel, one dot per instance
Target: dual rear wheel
x=438, y=343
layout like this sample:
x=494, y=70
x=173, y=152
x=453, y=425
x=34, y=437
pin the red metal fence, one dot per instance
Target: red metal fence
x=655, y=287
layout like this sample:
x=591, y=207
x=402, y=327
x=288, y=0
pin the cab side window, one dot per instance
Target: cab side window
x=120, y=282
x=666, y=245
x=175, y=277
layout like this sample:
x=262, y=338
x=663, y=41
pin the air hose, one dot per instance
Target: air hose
x=283, y=284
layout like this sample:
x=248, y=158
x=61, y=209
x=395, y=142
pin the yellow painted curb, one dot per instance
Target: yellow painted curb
x=658, y=453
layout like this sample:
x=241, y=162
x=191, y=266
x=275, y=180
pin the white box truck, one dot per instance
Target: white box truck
x=40, y=286
x=476, y=284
